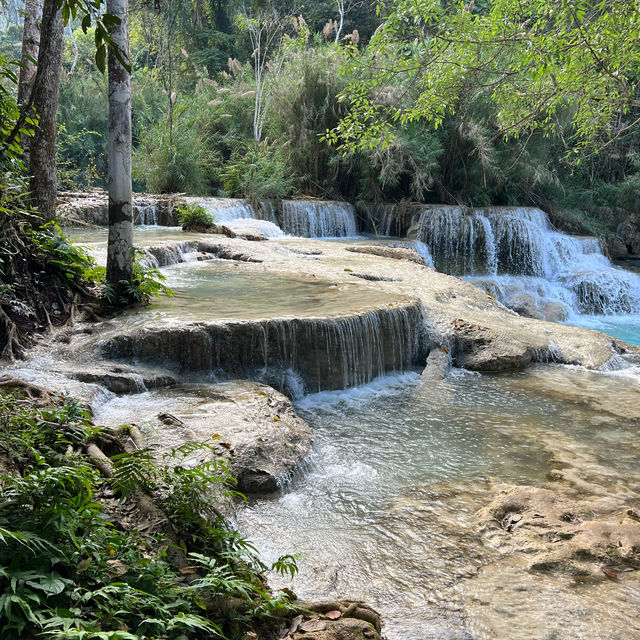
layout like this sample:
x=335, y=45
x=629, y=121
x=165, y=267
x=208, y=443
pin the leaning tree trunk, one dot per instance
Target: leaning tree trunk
x=30, y=46
x=44, y=97
x=120, y=249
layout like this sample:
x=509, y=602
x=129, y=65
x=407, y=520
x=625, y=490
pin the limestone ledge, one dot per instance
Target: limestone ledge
x=250, y=425
x=479, y=332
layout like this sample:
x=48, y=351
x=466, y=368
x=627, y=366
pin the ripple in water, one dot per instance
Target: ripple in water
x=387, y=513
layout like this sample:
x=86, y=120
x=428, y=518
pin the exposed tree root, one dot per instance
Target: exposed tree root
x=45, y=397
x=12, y=347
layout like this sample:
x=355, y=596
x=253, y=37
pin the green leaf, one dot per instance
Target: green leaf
x=101, y=58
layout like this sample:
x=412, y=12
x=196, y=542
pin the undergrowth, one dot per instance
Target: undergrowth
x=72, y=568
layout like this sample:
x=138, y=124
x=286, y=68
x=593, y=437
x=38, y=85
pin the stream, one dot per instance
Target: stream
x=385, y=508
x=397, y=471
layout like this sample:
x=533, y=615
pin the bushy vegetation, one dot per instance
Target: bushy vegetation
x=193, y=132
x=193, y=97
x=192, y=216
x=80, y=560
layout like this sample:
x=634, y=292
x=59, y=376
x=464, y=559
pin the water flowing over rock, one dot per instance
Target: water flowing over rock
x=516, y=255
x=315, y=219
x=145, y=212
x=224, y=209
x=513, y=253
x=93, y=208
x=325, y=353
x=172, y=253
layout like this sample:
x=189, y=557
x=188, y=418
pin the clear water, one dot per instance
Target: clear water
x=216, y=289
x=399, y=469
x=623, y=327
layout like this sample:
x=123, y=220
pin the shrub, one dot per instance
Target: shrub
x=261, y=172
x=194, y=216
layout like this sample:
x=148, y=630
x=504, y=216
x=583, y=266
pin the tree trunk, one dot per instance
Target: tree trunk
x=30, y=46
x=43, y=183
x=120, y=248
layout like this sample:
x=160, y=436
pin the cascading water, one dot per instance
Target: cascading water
x=310, y=219
x=145, y=212
x=225, y=209
x=324, y=353
x=516, y=256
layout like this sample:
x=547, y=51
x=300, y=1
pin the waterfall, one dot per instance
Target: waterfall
x=224, y=209
x=326, y=353
x=314, y=219
x=166, y=255
x=304, y=218
x=145, y=212
x=515, y=255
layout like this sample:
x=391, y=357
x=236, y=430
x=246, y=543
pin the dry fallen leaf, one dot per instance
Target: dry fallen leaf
x=295, y=623
x=609, y=573
x=313, y=625
x=118, y=567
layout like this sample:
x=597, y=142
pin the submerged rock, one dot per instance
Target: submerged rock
x=397, y=253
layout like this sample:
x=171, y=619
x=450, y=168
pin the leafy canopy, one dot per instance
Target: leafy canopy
x=534, y=59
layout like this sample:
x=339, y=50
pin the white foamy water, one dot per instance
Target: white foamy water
x=224, y=209
x=515, y=254
x=318, y=219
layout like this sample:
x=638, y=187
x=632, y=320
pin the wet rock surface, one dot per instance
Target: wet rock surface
x=561, y=535
x=80, y=207
x=336, y=620
x=397, y=253
x=327, y=353
x=551, y=543
x=122, y=380
x=250, y=425
x=628, y=234
x=482, y=333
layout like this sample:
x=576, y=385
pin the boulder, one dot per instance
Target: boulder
x=525, y=305
x=340, y=620
x=554, y=312
x=249, y=424
x=628, y=232
x=616, y=248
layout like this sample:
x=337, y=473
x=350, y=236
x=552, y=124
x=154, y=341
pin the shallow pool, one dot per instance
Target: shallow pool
x=384, y=512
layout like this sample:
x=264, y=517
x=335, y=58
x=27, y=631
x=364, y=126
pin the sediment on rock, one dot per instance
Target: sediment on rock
x=80, y=207
x=250, y=425
x=397, y=253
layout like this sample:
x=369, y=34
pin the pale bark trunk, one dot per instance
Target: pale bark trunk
x=43, y=184
x=120, y=248
x=30, y=46
x=341, y=11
